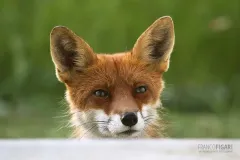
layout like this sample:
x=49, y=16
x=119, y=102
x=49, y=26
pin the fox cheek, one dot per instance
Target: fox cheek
x=69, y=53
x=155, y=45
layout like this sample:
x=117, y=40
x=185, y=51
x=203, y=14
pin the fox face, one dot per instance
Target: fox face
x=114, y=95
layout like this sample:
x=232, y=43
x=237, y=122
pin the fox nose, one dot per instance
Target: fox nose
x=129, y=119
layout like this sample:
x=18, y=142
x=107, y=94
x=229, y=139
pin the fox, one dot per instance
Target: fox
x=114, y=95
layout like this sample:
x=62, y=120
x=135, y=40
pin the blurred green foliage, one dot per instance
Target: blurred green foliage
x=204, y=74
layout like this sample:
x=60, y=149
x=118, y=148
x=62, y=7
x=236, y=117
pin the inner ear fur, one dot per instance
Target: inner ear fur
x=155, y=45
x=69, y=53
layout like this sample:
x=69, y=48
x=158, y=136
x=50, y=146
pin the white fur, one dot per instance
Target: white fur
x=97, y=123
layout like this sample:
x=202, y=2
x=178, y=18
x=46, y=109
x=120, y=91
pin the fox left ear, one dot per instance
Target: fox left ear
x=70, y=53
x=155, y=45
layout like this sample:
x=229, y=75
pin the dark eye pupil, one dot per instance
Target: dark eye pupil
x=101, y=93
x=141, y=89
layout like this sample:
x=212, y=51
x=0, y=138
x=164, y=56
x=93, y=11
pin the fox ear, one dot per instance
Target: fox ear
x=155, y=45
x=69, y=52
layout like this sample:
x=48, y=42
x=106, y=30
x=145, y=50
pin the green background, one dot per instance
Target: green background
x=202, y=95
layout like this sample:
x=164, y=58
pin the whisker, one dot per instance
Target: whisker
x=148, y=124
x=88, y=131
x=62, y=116
x=93, y=122
x=148, y=119
x=149, y=116
x=72, y=113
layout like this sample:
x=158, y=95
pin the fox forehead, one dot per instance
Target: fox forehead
x=119, y=74
x=120, y=67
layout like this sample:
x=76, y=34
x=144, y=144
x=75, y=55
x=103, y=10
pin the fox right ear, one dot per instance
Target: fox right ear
x=155, y=45
x=69, y=53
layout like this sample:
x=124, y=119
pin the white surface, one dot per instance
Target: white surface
x=161, y=149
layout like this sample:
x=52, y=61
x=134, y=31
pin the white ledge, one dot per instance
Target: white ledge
x=154, y=149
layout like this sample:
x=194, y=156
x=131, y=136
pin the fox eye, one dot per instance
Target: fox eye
x=141, y=89
x=101, y=93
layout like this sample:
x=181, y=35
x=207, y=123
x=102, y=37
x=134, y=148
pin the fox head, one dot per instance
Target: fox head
x=114, y=95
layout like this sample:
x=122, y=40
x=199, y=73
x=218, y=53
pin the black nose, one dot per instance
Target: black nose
x=129, y=119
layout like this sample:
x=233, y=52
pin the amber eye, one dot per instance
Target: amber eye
x=141, y=89
x=101, y=93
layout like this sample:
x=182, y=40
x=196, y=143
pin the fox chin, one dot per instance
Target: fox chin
x=114, y=95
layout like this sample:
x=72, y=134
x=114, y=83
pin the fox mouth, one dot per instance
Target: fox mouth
x=128, y=132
